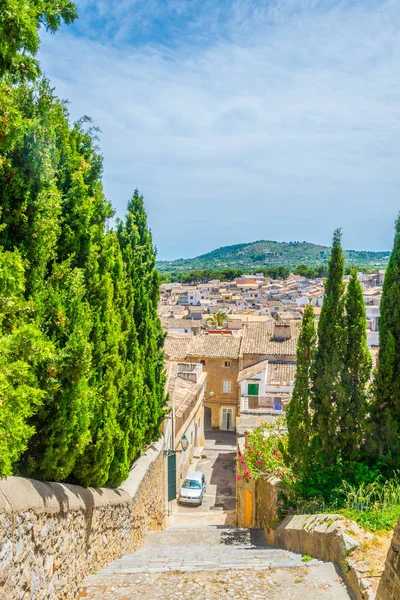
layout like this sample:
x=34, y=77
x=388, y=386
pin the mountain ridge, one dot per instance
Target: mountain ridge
x=269, y=253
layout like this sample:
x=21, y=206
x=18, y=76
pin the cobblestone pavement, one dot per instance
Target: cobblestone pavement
x=311, y=583
x=213, y=563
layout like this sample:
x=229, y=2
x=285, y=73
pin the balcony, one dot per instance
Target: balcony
x=190, y=371
x=264, y=403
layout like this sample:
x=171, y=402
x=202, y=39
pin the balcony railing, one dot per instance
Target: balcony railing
x=190, y=371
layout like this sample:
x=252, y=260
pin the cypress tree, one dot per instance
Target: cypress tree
x=327, y=371
x=298, y=416
x=352, y=408
x=81, y=361
x=106, y=274
x=143, y=401
x=25, y=358
x=384, y=437
x=135, y=237
x=62, y=422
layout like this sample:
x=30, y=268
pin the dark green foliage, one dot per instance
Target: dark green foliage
x=384, y=438
x=139, y=255
x=352, y=408
x=81, y=361
x=298, y=414
x=325, y=449
x=205, y=275
x=19, y=39
x=107, y=278
x=311, y=272
x=25, y=356
x=327, y=389
x=277, y=272
x=62, y=422
x=266, y=254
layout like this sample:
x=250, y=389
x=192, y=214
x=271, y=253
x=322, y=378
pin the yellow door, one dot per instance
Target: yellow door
x=248, y=508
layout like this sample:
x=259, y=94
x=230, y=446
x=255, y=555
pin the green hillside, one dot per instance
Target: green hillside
x=265, y=253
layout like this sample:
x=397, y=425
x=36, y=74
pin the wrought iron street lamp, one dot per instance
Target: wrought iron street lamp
x=184, y=443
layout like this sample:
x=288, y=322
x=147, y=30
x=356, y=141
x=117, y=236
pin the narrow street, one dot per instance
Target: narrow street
x=203, y=556
x=218, y=465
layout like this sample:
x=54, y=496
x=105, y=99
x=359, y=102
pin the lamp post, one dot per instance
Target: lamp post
x=184, y=443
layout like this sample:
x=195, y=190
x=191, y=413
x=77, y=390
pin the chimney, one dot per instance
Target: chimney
x=282, y=331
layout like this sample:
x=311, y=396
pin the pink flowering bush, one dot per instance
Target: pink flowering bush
x=263, y=453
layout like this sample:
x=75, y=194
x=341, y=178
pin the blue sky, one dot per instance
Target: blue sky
x=241, y=120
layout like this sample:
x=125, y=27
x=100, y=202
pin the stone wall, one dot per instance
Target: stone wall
x=53, y=535
x=389, y=585
x=327, y=537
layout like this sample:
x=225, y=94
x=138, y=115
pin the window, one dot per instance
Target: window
x=203, y=362
x=191, y=484
x=252, y=389
x=227, y=363
x=227, y=387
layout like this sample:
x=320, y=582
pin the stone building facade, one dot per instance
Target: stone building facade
x=220, y=356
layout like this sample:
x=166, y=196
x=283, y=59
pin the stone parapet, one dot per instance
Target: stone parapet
x=52, y=535
x=328, y=537
x=389, y=585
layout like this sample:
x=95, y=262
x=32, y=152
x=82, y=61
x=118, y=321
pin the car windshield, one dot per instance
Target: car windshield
x=191, y=484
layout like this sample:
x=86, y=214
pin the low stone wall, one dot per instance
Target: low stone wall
x=327, y=537
x=389, y=585
x=53, y=535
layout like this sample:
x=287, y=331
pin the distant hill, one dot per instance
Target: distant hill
x=265, y=253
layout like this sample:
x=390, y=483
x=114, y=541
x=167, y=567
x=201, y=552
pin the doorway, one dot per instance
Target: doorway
x=207, y=418
x=248, y=508
x=227, y=419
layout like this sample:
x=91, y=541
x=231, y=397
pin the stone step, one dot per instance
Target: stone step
x=206, y=558
x=205, y=536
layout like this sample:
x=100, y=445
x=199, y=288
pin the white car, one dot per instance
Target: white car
x=193, y=488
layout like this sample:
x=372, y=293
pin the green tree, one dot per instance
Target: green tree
x=143, y=400
x=384, y=438
x=106, y=276
x=63, y=420
x=217, y=319
x=327, y=389
x=137, y=245
x=81, y=361
x=25, y=357
x=298, y=414
x=19, y=38
x=352, y=405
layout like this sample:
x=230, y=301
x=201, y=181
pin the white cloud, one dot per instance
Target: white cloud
x=283, y=125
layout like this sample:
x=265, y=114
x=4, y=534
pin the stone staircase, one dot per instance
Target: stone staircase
x=161, y=568
x=203, y=549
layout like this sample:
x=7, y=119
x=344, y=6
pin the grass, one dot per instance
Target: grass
x=374, y=506
x=375, y=519
x=306, y=558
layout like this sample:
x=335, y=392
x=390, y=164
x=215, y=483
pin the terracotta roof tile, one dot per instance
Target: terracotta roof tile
x=215, y=346
x=176, y=345
x=258, y=339
x=281, y=373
